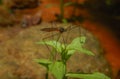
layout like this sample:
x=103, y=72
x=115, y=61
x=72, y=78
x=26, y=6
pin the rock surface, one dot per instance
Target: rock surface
x=17, y=54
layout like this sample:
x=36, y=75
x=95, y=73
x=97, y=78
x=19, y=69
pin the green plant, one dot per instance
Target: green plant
x=58, y=67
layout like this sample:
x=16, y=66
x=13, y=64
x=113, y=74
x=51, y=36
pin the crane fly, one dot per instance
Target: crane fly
x=61, y=29
x=61, y=34
x=58, y=31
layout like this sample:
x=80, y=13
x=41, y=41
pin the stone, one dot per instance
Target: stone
x=18, y=53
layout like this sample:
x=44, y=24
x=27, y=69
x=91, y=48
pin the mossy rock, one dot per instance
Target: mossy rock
x=18, y=53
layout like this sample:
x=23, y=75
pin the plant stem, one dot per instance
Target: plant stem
x=62, y=9
x=46, y=75
x=65, y=70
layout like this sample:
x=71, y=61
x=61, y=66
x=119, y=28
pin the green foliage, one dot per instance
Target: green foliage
x=95, y=75
x=77, y=44
x=56, y=45
x=44, y=62
x=68, y=50
x=58, y=67
x=53, y=67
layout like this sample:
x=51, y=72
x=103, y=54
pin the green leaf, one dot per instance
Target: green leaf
x=44, y=62
x=58, y=46
x=95, y=75
x=57, y=69
x=76, y=45
x=77, y=42
x=70, y=52
x=85, y=51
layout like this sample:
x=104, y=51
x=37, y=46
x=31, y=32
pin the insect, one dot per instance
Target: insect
x=62, y=33
x=61, y=29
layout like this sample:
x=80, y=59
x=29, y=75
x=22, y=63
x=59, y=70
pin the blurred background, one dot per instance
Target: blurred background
x=100, y=17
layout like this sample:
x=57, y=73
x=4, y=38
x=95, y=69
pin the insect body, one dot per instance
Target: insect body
x=63, y=33
x=60, y=29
